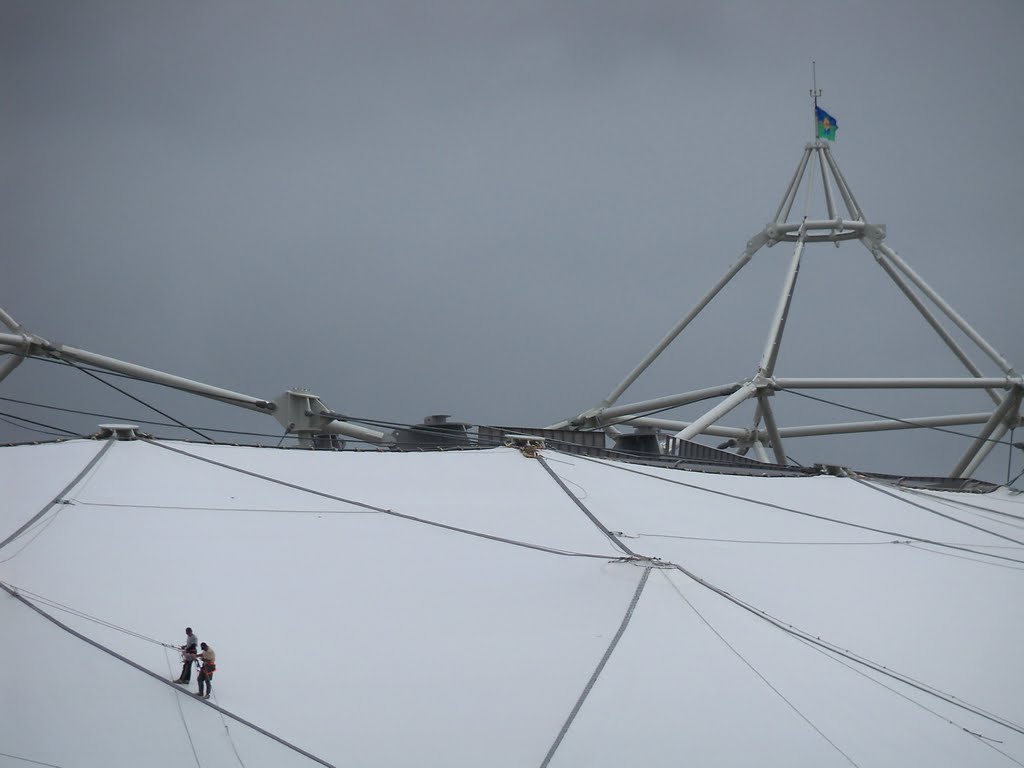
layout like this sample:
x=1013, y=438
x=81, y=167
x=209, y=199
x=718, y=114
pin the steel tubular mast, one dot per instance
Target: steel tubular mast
x=817, y=162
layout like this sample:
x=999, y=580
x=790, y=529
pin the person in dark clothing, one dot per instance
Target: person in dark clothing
x=209, y=660
x=188, y=655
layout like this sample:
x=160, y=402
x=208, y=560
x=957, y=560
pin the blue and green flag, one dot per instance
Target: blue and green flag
x=826, y=124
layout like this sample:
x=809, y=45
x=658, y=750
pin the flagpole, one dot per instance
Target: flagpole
x=815, y=93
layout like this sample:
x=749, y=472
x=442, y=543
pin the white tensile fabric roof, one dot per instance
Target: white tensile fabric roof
x=433, y=636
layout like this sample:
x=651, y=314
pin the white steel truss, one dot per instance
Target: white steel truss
x=845, y=221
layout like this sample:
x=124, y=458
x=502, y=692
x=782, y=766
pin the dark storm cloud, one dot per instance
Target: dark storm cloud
x=495, y=209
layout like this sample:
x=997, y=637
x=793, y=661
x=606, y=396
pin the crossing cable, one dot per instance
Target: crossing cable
x=28, y=760
x=49, y=429
x=58, y=500
x=561, y=483
x=961, y=503
x=856, y=658
x=986, y=740
x=382, y=510
x=802, y=513
x=908, y=422
x=113, y=386
x=859, y=479
x=754, y=669
x=159, y=678
x=599, y=668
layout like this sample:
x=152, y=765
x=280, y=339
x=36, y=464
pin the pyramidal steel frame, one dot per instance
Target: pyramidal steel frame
x=845, y=221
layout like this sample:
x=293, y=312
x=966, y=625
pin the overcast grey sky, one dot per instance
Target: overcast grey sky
x=494, y=209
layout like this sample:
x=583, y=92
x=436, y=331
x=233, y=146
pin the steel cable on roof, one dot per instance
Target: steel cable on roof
x=382, y=510
x=962, y=503
x=906, y=679
x=859, y=479
x=833, y=648
x=986, y=740
x=802, y=513
x=29, y=760
x=593, y=518
x=754, y=669
x=158, y=678
x=77, y=478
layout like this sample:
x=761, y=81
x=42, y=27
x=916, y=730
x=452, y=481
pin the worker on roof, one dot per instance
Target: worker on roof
x=188, y=656
x=209, y=666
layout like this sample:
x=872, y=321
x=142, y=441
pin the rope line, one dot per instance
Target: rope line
x=160, y=679
x=561, y=484
x=181, y=713
x=598, y=669
x=88, y=617
x=88, y=467
x=382, y=510
x=754, y=669
x=770, y=505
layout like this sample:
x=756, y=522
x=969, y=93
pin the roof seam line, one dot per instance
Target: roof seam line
x=599, y=668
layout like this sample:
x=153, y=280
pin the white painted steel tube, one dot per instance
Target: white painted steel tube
x=933, y=321
x=794, y=185
x=844, y=187
x=951, y=313
x=159, y=377
x=900, y=383
x=670, y=401
x=1010, y=402
x=10, y=322
x=12, y=362
x=794, y=189
x=778, y=327
x=829, y=224
x=752, y=247
x=772, y=429
x=356, y=432
x=826, y=186
x=986, y=449
x=697, y=427
x=883, y=425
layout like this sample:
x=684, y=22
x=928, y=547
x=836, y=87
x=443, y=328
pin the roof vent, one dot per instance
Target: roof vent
x=118, y=431
x=435, y=432
x=642, y=442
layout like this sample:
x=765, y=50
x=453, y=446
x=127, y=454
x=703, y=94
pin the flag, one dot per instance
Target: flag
x=826, y=124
